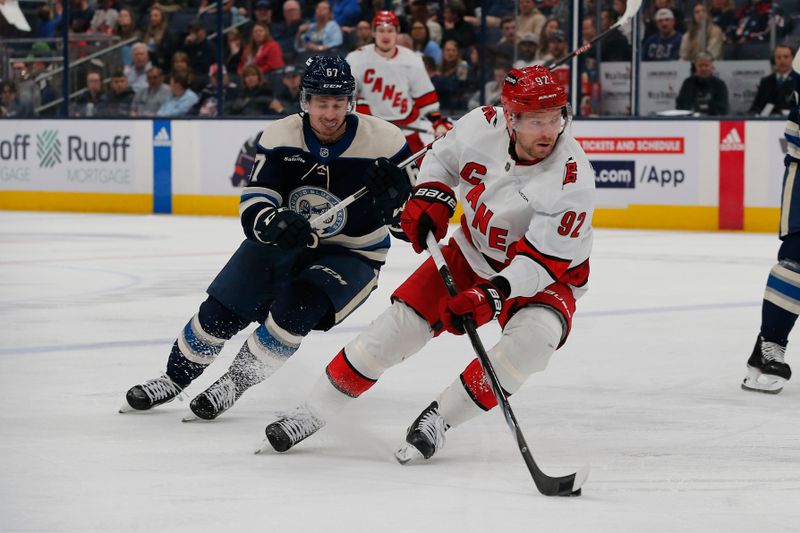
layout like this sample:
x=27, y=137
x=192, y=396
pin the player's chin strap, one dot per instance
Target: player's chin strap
x=569, y=485
x=317, y=222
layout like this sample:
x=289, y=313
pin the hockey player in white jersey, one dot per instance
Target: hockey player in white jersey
x=520, y=255
x=393, y=84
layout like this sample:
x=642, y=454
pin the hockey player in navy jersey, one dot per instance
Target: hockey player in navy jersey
x=286, y=276
x=766, y=369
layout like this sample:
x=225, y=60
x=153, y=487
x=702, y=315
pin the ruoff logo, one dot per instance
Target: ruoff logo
x=48, y=148
x=732, y=142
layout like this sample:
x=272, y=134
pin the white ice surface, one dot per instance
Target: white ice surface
x=646, y=390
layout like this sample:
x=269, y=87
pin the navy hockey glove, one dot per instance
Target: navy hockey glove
x=429, y=210
x=389, y=187
x=483, y=302
x=285, y=228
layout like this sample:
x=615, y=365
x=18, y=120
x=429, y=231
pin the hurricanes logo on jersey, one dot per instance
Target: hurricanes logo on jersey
x=570, y=172
x=311, y=202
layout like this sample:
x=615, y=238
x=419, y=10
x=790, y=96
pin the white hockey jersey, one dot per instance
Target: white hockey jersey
x=397, y=89
x=533, y=222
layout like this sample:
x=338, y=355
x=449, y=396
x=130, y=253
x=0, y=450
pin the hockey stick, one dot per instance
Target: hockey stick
x=630, y=10
x=317, y=222
x=549, y=486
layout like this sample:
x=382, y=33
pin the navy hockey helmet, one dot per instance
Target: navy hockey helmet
x=328, y=76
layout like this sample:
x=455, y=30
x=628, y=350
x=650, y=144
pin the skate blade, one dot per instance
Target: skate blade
x=193, y=418
x=407, y=453
x=580, y=478
x=126, y=409
x=265, y=447
x=756, y=381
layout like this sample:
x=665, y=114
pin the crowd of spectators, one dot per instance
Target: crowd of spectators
x=170, y=66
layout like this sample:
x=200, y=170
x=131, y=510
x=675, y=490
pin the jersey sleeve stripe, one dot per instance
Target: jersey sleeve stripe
x=426, y=99
x=554, y=266
x=270, y=194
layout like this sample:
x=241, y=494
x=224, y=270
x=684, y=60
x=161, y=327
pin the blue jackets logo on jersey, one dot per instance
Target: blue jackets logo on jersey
x=314, y=201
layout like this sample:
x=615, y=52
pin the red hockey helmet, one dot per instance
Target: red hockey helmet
x=385, y=18
x=531, y=89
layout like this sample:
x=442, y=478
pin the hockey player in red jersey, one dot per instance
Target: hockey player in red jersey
x=393, y=84
x=520, y=255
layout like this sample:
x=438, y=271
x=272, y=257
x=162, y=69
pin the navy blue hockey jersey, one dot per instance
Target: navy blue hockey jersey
x=293, y=169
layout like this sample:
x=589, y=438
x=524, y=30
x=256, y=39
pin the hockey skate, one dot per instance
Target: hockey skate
x=151, y=393
x=292, y=428
x=766, y=370
x=215, y=400
x=424, y=436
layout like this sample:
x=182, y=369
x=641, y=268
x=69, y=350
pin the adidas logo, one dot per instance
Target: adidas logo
x=732, y=142
x=162, y=138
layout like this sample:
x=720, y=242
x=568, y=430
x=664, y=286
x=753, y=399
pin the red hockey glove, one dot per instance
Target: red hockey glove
x=440, y=124
x=483, y=302
x=428, y=210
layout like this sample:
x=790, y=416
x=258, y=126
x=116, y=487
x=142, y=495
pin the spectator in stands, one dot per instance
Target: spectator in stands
x=80, y=16
x=421, y=41
x=650, y=18
x=455, y=27
x=526, y=53
x=421, y=13
x=10, y=105
x=235, y=49
x=91, y=101
x=363, y=35
x=119, y=100
x=754, y=21
x=664, y=45
x=615, y=46
x=556, y=46
x=346, y=13
x=505, y=50
x=287, y=93
x=181, y=99
x=199, y=50
x=180, y=65
x=451, y=78
x=254, y=97
x=207, y=104
x=285, y=32
x=492, y=88
x=723, y=14
x=155, y=37
x=775, y=91
x=148, y=101
x=703, y=36
x=126, y=29
x=321, y=35
x=48, y=24
x=105, y=17
x=136, y=71
x=28, y=91
x=262, y=51
x=530, y=19
x=543, y=43
x=703, y=93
